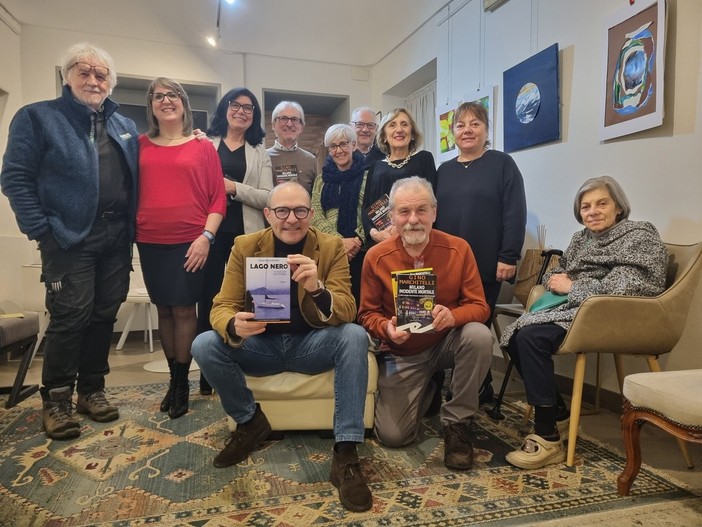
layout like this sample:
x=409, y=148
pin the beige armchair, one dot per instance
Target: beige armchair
x=625, y=325
x=669, y=400
x=295, y=401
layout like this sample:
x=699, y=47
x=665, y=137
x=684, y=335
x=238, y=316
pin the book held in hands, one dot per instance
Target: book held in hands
x=268, y=289
x=415, y=297
x=379, y=213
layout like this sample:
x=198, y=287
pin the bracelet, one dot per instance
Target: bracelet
x=209, y=235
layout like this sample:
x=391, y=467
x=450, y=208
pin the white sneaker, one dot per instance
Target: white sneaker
x=537, y=452
x=563, y=428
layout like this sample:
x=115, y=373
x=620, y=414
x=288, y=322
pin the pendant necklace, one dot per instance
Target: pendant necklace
x=466, y=164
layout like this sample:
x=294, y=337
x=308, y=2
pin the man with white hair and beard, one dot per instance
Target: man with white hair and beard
x=459, y=339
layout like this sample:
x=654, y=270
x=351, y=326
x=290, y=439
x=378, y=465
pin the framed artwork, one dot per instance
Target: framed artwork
x=531, y=111
x=634, y=66
x=446, y=149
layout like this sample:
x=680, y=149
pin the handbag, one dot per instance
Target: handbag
x=547, y=301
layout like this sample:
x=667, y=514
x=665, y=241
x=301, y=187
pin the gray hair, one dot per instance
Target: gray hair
x=363, y=109
x=282, y=105
x=339, y=131
x=381, y=138
x=154, y=127
x=88, y=50
x=285, y=185
x=615, y=191
x=414, y=183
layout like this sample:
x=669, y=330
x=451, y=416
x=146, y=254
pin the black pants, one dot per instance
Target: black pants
x=85, y=285
x=214, y=275
x=532, y=349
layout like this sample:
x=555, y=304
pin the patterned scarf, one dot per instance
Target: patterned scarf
x=341, y=191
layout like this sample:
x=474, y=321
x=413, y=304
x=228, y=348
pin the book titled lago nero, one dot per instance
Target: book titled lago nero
x=379, y=213
x=415, y=300
x=268, y=289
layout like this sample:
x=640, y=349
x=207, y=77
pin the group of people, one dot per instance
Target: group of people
x=85, y=186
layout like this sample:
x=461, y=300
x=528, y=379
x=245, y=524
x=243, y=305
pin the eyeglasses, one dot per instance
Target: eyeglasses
x=285, y=120
x=235, y=107
x=282, y=213
x=100, y=72
x=361, y=125
x=158, y=97
x=343, y=145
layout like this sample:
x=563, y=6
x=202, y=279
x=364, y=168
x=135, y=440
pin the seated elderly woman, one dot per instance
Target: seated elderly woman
x=337, y=198
x=611, y=255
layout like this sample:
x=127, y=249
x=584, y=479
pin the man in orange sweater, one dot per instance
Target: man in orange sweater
x=459, y=339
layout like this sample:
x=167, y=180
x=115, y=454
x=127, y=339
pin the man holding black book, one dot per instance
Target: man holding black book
x=458, y=339
x=319, y=336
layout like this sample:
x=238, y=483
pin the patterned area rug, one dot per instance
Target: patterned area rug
x=147, y=469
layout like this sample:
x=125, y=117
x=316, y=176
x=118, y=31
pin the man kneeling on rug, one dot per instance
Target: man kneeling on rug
x=319, y=336
x=458, y=340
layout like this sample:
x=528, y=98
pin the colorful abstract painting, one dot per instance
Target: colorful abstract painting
x=531, y=104
x=633, y=93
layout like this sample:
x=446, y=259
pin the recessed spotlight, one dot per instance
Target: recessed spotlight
x=212, y=42
x=229, y=1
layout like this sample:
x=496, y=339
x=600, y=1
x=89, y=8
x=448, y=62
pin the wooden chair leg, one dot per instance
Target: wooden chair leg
x=575, y=404
x=619, y=366
x=527, y=414
x=631, y=433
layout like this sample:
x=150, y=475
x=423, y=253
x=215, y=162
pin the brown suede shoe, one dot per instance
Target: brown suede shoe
x=95, y=406
x=346, y=476
x=57, y=418
x=458, y=450
x=244, y=440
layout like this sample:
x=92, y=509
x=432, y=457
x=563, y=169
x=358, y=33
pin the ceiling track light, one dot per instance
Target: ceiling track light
x=214, y=40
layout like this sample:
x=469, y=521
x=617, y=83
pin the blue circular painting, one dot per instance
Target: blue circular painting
x=528, y=102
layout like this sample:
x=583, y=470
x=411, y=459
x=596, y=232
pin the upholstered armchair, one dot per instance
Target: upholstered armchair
x=625, y=325
x=669, y=400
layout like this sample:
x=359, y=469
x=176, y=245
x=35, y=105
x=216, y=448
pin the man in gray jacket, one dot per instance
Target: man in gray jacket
x=70, y=173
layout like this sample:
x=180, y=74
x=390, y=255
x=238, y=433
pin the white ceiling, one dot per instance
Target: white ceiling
x=357, y=32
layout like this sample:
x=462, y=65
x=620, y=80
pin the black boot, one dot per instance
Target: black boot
x=181, y=390
x=166, y=401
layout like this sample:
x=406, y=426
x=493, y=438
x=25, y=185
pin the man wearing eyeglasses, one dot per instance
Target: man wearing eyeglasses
x=363, y=119
x=70, y=172
x=290, y=162
x=320, y=336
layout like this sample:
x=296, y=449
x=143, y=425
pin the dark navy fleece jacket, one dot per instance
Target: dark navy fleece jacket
x=50, y=167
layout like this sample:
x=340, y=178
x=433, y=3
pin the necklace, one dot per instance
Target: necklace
x=171, y=138
x=398, y=165
x=469, y=163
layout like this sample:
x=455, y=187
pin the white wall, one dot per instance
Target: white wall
x=659, y=168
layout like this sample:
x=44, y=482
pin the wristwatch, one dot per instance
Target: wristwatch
x=209, y=235
x=318, y=291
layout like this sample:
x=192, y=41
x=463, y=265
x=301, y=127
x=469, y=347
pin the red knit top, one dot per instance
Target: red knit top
x=179, y=186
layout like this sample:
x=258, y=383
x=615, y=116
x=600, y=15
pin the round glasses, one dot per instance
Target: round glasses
x=246, y=108
x=282, y=213
x=343, y=145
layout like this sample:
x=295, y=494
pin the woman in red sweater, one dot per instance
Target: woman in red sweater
x=181, y=205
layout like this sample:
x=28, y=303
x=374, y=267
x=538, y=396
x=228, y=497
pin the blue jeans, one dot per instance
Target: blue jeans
x=341, y=348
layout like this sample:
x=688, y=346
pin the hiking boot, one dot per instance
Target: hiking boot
x=537, y=452
x=346, y=476
x=57, y=417
x=244, y=440
x=95, y=405
x=458, y=449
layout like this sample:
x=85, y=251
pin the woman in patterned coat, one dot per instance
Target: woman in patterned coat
x=611, y=255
